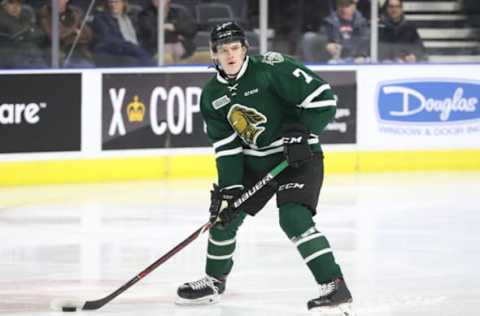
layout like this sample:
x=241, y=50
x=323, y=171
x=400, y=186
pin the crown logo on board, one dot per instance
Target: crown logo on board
x=135, y=110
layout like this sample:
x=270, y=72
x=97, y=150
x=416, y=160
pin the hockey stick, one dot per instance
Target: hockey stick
x=79, y=33
x=73, y=305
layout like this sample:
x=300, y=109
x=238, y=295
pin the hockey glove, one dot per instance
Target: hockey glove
x=222, y=211
x=295, y=145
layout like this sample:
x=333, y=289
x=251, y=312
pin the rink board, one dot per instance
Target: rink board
x=203, y=166
x=123, y=124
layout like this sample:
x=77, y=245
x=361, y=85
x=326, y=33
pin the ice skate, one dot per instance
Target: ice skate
x=207, y=290
x=335, y=299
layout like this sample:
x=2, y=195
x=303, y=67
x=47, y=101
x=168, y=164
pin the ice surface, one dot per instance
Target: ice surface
x=407, y=243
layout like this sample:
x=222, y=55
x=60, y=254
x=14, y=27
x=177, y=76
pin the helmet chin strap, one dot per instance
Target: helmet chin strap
x=219, y=69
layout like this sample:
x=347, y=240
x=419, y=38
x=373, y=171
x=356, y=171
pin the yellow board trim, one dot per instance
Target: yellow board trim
x=98, y=170
x=203, y=166
x=391, y=161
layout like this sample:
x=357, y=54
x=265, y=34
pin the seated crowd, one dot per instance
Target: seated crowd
x=119, y=33
x=113, y=34
x=344, y=36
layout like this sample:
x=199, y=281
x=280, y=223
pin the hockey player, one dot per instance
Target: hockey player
x=260, y=110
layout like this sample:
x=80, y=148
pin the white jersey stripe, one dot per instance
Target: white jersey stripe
x=320, y=104
x=313, y=95
x=308, y=238
x=278, y=142
x=225, y=141
x=221, y=243
x=229, y=152
x=209, y=256
x=317, y=254
x=233, y=186
x=257, y=153
x=262, y=153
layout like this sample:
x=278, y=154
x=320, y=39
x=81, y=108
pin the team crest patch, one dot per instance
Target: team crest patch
x=272, y=58
x=245, y=121
x=220, y=102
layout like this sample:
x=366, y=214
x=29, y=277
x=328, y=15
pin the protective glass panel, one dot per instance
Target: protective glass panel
x=321, y=31
x=429, y=31
x=23, y=41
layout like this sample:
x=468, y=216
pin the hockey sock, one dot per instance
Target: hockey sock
x=221, y=246
x=297, y=223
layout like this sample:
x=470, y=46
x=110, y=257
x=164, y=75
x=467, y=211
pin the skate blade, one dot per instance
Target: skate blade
x=212, y=299
x=339, y=310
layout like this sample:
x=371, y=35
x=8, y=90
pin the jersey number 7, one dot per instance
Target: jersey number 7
x=300, y=73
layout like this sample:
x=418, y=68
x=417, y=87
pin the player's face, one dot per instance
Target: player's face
x=231, y=56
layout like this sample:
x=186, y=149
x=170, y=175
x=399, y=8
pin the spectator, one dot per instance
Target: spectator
x=471, y=8
x=347, y=34
x=365, y=7
x=73, y=37
x=180, y=30
x=314, y=40
x=398, y=39
x=20, y=38
x=116, y=37
x=35, y=4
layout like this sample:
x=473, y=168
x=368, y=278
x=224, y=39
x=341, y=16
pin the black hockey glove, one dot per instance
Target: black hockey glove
x=295, y=145
x=222, y=211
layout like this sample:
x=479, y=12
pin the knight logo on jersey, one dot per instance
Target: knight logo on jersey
x=245, y=122
x=272, y=58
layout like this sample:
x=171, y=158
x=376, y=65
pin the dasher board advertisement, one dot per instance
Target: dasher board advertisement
x=40, y=113
x=162, y=110
x=425, y=107
x=343, y=128
x=152, y=110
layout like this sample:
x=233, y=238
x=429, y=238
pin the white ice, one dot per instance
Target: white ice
x=408, y=244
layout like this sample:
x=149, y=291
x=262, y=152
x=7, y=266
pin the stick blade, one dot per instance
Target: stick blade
x=58, y=304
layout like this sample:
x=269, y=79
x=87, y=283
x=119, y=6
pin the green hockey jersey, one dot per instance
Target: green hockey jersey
x=245, y=116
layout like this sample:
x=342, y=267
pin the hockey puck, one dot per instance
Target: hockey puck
x=69, y=309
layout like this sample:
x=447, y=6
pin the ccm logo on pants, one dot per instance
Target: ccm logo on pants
x=290, y=186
